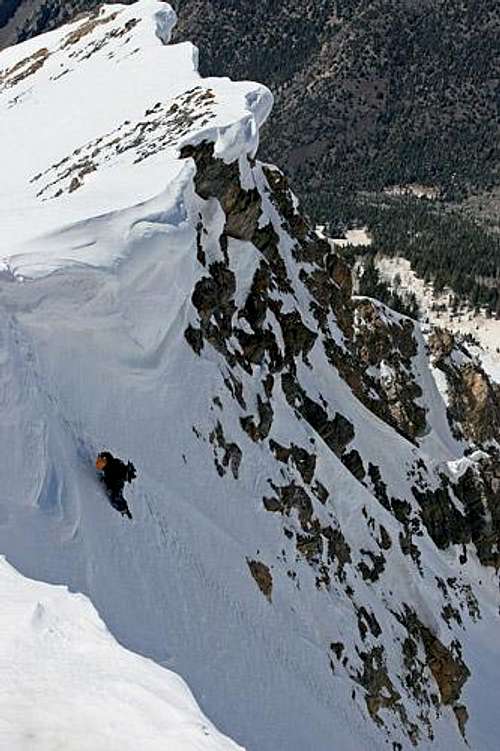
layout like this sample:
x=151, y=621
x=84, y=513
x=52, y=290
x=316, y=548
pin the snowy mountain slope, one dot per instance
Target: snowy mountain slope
x=97, y=159
x=310, y=549
x=66, y=683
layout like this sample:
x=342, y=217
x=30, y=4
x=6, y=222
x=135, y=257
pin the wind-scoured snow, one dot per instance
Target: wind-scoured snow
x=66, y=683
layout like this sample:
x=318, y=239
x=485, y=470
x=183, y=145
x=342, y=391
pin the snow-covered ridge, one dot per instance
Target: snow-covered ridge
x=92, y=120
x=66, y=683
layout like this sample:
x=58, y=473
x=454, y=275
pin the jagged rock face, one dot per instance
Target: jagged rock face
x=479, y=490
x=474, y=400
x=267, y=337
x=476, y=404
x=445, y=663
x=388, y=347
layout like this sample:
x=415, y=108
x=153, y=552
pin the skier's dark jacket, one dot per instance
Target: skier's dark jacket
x=115, y=474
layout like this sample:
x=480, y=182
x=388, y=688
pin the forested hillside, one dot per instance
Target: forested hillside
x=445, y=246
x=369, y=92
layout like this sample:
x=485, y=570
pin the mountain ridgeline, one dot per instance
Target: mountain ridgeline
x=368, y=94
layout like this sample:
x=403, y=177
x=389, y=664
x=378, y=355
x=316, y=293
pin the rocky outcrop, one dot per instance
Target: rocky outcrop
x=478, y=488
x=262, y=576
x=449, y=670
x=380, y=692
x=427, y=659
x=474, y=400
x=475, y=404
x=216, y=179
x=385, y=347
x=227, y=454
x=268, y=342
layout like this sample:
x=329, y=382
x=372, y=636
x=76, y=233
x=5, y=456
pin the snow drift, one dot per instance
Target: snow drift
x=66, y=683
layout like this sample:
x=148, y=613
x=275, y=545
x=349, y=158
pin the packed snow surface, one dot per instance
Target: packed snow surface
x=66, y=683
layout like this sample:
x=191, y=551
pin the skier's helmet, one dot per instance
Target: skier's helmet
x=101, y=462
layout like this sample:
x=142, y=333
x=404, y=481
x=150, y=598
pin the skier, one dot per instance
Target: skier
x=114, y=474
